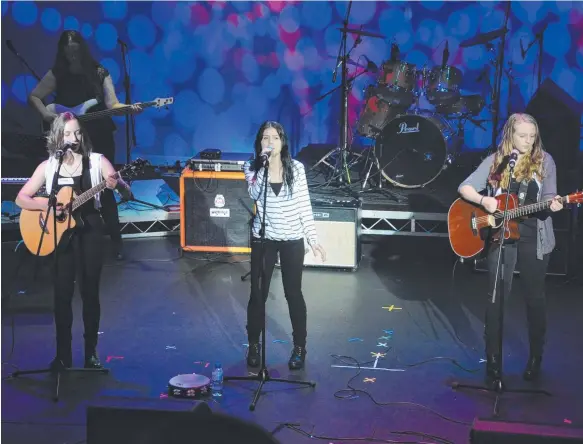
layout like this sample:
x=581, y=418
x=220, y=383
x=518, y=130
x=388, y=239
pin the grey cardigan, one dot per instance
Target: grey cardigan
x=546, y=236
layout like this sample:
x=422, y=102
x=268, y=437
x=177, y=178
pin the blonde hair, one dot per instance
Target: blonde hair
x=528, y=165
x=55, y=135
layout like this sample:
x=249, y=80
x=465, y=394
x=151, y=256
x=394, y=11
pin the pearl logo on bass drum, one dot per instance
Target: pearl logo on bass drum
x=219, y=201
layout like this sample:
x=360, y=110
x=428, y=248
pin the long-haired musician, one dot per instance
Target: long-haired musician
x=82, y=255
x=289, y=220
x=534, y=179
x=75, y=78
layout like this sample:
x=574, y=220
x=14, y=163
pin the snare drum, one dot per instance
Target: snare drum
x=443, y=85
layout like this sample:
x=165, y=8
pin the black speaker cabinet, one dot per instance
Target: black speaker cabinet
x=169, y=423
x=559, y=119
x=215, y=212
x=506, y=432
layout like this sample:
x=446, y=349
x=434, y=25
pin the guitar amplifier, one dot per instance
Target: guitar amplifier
x=338, y=226
x=215, y=212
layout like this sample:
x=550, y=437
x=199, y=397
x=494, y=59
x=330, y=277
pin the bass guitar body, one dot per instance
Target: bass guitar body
x=38, y=229
x=78, y=110
x=471, y=228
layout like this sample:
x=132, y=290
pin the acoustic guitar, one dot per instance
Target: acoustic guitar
x=470, y=227
x=37, y=229
x=83, y=110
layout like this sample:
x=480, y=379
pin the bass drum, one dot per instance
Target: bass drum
x=415, y=148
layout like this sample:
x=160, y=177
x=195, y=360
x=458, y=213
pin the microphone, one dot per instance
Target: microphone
x=121, y=42
x=265, y=156
x=11, y=47
x=370, y=65
x=445, y=55
x=513, y=158
x=66, y=147
x=522, y=51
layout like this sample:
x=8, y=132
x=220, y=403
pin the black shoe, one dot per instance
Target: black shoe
x=92, y=361
x=532, y=371
x=254, y=355
x=493, y=370
x=298, y=356
x=58, y=364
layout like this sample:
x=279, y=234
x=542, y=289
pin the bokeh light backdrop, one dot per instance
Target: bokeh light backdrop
x=232, y=65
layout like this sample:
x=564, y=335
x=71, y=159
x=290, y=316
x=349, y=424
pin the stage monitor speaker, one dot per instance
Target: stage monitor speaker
x=215, y=212
x=338, y=225
x=506, y=432
x=169, y=423
x=559, y=119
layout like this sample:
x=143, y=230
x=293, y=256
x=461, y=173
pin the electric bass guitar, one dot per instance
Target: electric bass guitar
x=83, y=111
x=470, y=227
x=37, y=229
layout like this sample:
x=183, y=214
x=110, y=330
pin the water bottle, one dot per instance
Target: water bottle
x=217, y=381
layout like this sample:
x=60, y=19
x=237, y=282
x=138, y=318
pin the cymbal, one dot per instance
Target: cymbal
x=483, y=38
x=361, y=32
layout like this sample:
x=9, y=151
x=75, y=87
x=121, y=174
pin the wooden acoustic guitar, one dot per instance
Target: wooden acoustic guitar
x=470, y=227
x=37, y=229
x=84, y=113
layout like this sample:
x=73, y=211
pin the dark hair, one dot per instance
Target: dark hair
x=55, y=135
x=88, y=64
x=286, y=160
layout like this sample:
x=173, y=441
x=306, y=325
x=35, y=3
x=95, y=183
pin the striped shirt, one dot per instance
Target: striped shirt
x=289, y=215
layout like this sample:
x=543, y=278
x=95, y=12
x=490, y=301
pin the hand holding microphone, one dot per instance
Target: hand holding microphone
x=265, y=153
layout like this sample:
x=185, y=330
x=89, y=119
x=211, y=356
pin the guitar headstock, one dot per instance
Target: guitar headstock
x=134, y=168
x=159, y=103
x=576, y=197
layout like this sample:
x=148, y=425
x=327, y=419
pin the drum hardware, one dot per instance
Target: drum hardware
x=341, y=171
x=414, y=148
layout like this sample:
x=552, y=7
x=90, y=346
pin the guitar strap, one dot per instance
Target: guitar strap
x=522, y=189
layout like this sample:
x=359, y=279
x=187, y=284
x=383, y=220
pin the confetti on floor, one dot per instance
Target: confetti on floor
x=355, y=340
x=371, y=380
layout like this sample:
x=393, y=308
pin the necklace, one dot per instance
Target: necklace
x=71, y=173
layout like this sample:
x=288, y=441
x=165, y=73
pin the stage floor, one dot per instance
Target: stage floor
x=164, y=315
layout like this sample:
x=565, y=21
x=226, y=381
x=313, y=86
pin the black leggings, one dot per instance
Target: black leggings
x=291, y=254
x=80, y=259
x=532, y=280
x=110, y=214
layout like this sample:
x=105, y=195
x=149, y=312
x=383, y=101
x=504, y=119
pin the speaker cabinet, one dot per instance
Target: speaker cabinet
x=559, y=120
x=506, y=432
x=337, y=223
x=215, y=212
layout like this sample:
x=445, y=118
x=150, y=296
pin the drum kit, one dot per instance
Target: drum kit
x=413, y=145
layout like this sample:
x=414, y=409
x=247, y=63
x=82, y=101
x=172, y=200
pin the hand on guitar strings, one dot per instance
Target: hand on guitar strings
x=490, y=204
x=556, y=204
x=137, y=108
x=111, y=182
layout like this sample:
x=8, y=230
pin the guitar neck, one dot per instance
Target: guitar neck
x=112, y=112
x=533, y=208
x=84, y=197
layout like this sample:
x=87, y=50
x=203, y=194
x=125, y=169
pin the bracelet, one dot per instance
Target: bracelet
x=481, y=200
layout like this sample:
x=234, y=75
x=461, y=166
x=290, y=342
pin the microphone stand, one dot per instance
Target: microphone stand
x=498, y=385
x=53, y=206
x=129, y=117
x=263, y=375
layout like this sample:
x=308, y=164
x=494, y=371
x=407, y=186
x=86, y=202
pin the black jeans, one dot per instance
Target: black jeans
x=532, y=281
x=291, y=255
x=82, y=259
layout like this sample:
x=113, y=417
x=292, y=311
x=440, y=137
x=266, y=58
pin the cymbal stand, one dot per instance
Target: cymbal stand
x=498, y=80
x=340, y=170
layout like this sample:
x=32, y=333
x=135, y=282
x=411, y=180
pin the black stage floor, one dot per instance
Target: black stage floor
x=163, y=315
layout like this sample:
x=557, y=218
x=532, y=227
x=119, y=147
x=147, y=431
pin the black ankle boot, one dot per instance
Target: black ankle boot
x=532, y=371
x=92, y=360
x=493, y=369
x=254, y=354
x=297, y=359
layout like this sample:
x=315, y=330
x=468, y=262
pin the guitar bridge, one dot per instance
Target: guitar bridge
x=474, y=224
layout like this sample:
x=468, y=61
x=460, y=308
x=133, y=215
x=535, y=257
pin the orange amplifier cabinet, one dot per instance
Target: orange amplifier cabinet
x=215, y=212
